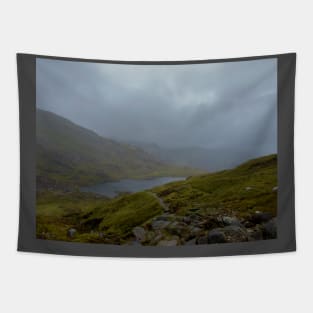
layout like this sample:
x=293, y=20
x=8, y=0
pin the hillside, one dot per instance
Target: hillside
x=228, y=206
x=69, y=155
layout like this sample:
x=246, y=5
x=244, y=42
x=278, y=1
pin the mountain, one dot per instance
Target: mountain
x=207, y=159
x=69, y=155
x=233, y=205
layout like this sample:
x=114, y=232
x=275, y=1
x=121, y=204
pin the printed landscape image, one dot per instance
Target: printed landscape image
x=156, y=155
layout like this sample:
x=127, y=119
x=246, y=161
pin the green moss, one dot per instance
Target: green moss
x=247, y=187
x=122, y=214
x=115, y=218
x=238, y=191
x=57, y=212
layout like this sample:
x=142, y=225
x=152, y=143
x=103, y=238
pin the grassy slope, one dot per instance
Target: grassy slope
x=246, y=187
x=69, y=155
x=57, y=212
x=222, y=192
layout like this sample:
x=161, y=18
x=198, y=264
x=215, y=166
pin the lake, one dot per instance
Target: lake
x=112, y=189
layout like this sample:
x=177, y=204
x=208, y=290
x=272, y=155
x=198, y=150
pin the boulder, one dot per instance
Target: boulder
x=187, y=219
x=156, y=239
x=228, y=220
x=216, y=235
x=178, y=228
x=194, y=231
x=211, y=222
x=157, y=224
x=235, y=233
x=71, y=232
x=275, y=188
x=231, y=233
x=248, y=224
x=139, y=233
x=195, y=218
x=270, y=229
x=255, y=234
x=260, y=217
x=152, y=238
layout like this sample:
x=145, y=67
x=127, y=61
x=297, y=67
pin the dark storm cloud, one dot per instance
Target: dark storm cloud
x=216, y=105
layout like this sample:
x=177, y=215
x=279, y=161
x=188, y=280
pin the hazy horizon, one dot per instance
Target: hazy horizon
x=220, y=106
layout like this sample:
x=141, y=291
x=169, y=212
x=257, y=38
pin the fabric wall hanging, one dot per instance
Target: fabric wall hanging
x=156, y=159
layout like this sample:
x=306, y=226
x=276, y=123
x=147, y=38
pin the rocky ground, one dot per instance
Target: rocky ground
x=198, y=228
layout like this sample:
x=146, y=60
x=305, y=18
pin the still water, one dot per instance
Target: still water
x=112, y=189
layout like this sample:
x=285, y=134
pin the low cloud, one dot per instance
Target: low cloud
x=218, y=105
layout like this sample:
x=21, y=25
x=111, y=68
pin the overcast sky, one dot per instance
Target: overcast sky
x=214, y=105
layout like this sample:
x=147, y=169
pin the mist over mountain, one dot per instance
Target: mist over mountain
x=211, y=116
x=130, y=154
x=69, y=155
x=208, y=159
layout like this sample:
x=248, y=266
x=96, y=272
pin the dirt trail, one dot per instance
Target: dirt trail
x=160, y=200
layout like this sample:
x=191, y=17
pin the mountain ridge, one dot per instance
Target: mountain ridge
x=69, y=155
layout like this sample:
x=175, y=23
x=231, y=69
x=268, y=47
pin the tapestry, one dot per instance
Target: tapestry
x=156, y=159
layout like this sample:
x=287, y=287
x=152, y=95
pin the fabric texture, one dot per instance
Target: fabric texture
x=156, y=159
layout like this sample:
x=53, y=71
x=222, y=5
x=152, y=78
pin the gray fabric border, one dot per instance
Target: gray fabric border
x=286, y=241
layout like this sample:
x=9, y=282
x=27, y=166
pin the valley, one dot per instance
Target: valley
x=156, y=155
x=227, y=206
x=70, y=156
